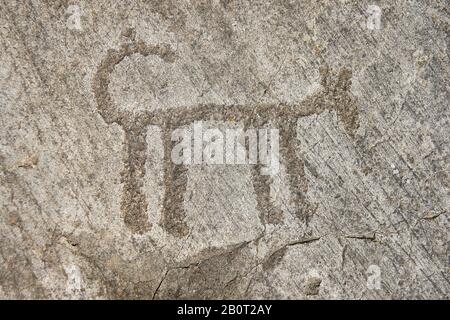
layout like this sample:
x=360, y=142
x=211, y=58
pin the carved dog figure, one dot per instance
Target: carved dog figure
x=334, y=94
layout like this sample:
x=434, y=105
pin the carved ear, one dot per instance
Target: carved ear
x=344, y=80
x=336, y=86
x=345, y=103
x=324, y=75
x=333, y=81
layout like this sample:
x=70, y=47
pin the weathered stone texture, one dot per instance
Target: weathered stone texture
x=92, y=207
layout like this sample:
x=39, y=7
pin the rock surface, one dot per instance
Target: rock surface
x=91, y=206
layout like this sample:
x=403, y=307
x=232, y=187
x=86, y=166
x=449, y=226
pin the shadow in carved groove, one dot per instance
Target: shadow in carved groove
x=334, y=94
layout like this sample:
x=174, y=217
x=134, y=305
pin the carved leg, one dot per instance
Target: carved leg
x=175, y=182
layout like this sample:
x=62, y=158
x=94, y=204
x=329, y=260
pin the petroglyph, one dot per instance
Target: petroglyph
x=134, y=204
x=333, y=94
x=356, y=209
